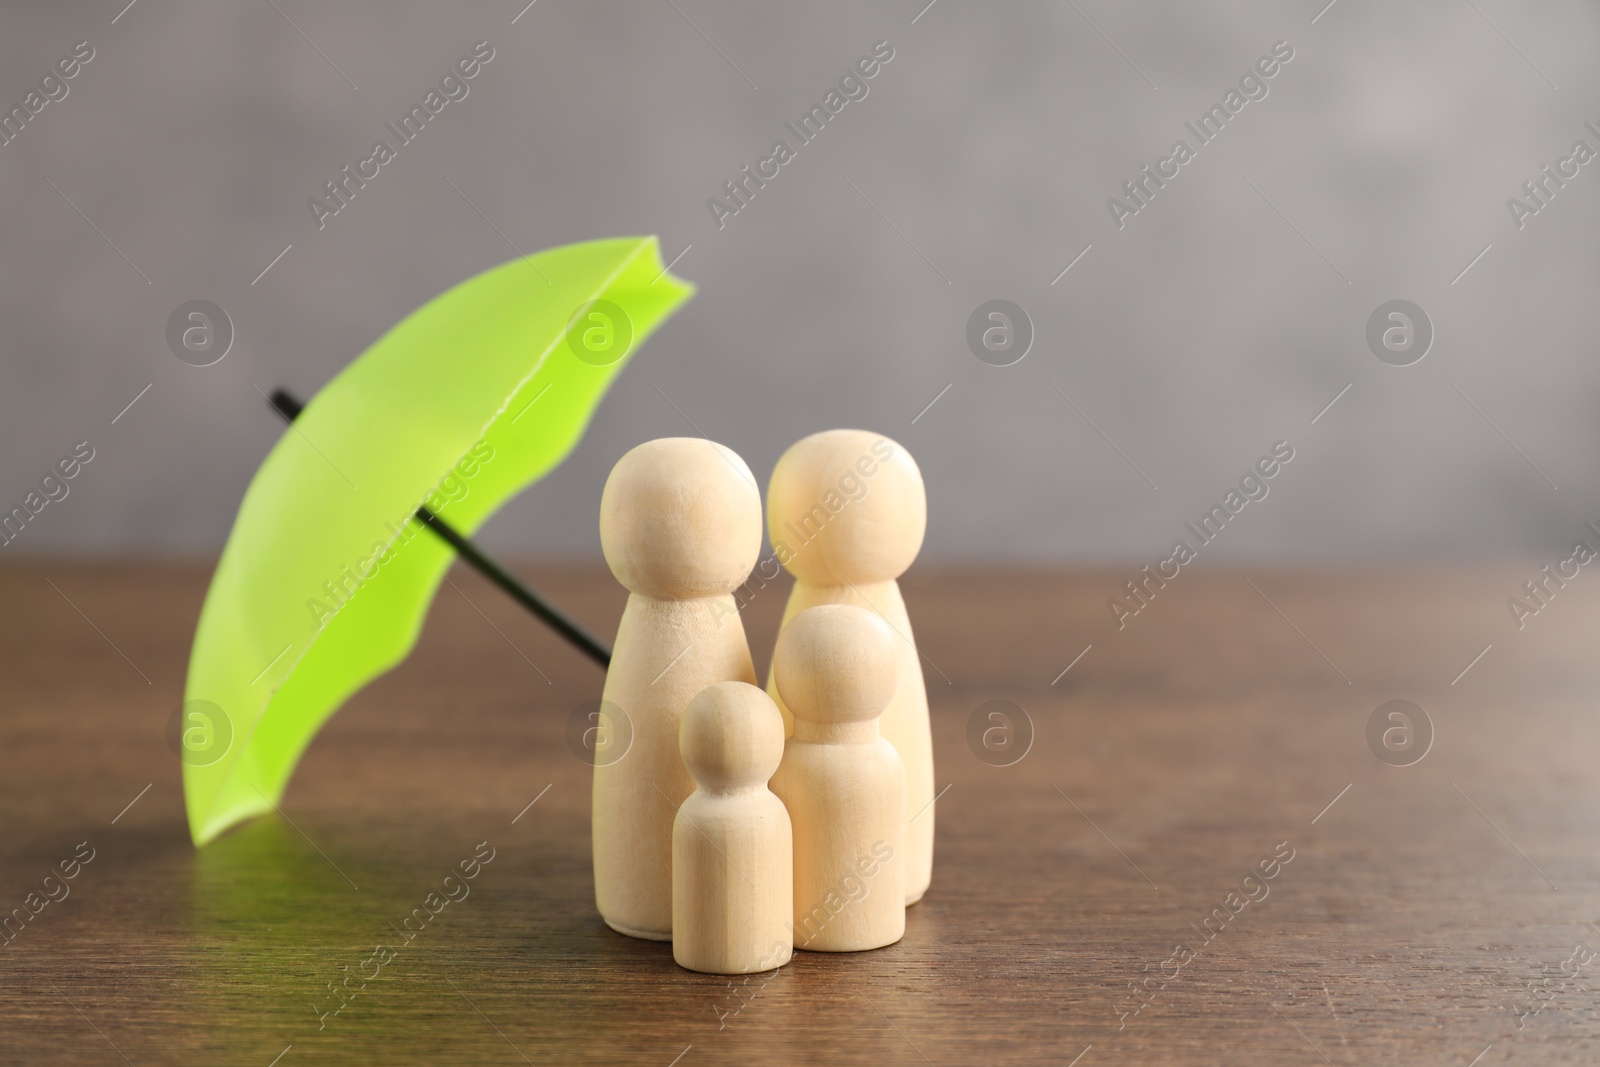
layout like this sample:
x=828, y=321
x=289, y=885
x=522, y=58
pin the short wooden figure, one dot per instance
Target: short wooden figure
x=680, y=523
x=732, y=849
x=846, y=511
x=841, y=782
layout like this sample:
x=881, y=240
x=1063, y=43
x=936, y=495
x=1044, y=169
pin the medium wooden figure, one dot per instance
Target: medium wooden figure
x=732, y=848
x=841, y=782
x=680, y=523
x=846, y=511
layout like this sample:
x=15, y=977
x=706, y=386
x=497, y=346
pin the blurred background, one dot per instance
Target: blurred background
x=1169, y=352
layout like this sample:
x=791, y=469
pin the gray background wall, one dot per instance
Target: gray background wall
x=1221, y=319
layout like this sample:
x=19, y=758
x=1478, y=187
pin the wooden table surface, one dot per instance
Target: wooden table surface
x=1432, y=914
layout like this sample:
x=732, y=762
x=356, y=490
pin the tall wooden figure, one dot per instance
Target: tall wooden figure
x=841, y=782
x=732, y=850
x=846, y=511
x=680, y=523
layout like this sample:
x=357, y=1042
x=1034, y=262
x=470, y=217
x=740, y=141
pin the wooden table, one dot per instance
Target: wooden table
x=1230, y=716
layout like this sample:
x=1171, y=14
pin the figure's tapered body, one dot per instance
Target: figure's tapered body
x=843, y=790
x=637, y=797
x=680, y=522
x=846, y=513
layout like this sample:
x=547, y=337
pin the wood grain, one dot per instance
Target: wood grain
x=1173, y=758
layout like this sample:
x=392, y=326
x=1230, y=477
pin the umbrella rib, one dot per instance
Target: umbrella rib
x=287, y=406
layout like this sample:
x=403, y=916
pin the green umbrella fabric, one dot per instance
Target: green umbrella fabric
x=325, y=579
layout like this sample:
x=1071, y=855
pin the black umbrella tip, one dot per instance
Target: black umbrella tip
x=285, y=404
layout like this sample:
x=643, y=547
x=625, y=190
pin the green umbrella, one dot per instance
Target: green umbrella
x=326, y=577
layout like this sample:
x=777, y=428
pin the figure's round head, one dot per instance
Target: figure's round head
x=846, y=506
x=680, y=517
x=836, y=663
x=731, y=735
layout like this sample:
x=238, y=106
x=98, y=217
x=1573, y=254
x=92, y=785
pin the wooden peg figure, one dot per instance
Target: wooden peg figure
x=846, y=511
x=680, y=523
x=840, y=781
x=732, y=849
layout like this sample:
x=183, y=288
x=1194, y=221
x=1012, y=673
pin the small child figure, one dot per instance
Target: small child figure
x=732, y=846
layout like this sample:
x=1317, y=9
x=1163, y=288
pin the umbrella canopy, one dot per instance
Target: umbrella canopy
x=325, y=579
